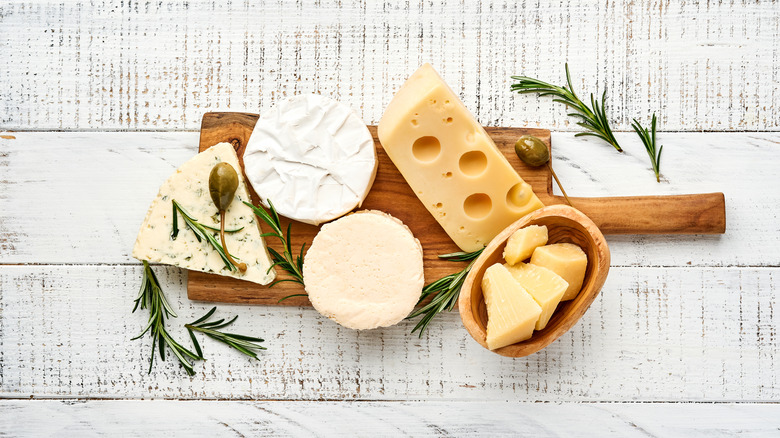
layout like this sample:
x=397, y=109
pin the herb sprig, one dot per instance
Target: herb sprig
x=293, y=266
x=594, y=120
x=648, y=139
x=201, y=232
x=245, y=344
x=445, y=291
x=152, y=296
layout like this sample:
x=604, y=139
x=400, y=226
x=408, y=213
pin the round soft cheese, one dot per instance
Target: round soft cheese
x=312, y=157
x=364, y=270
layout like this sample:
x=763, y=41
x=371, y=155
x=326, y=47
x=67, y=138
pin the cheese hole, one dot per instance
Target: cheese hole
x=477, y=206
x=433, y=102
x=426, y=149
x=447, y=175
x=473, y=163
x=414, y=122
x=519, y=195
x=448, y=120
x=439, y=205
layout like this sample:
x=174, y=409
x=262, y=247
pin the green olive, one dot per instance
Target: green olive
x=532, y=151
x=223, y=182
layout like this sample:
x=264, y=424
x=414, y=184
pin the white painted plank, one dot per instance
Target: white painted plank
x=654, y=334
x=380, y=419
x=80, y=197
x=160, y=65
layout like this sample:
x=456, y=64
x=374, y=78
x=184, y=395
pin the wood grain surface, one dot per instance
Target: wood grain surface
x=679, y=214
x=95, y=90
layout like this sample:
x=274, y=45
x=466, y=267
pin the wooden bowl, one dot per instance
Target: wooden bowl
x=564, y=224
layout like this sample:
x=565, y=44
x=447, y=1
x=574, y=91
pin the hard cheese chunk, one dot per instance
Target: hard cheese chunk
x=544, y=285
x=565, y=259
x=512, y=312
x=189, y=187
x=523, y=242
x=451, y=163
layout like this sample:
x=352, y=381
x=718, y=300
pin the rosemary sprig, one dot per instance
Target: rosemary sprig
x=445, y=291
x=286, y=261
x=151, y=296
x=245, y=344
x=648, y=139
x=594, y=120
x=201, y=232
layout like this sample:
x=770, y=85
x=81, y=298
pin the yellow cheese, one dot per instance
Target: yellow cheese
x=523, y=242
x=512, y=312
x=566, y=260
x=544, y=285
x=451, y=163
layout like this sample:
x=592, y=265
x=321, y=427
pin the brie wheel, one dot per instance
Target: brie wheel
x=364, y=270
x=312, y=157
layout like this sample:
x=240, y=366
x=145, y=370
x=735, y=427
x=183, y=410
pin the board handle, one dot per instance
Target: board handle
x=676, y=214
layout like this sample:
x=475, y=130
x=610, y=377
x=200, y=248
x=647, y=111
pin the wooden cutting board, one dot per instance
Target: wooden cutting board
x=680, y=214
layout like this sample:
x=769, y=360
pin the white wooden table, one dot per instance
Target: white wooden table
x=102, y=100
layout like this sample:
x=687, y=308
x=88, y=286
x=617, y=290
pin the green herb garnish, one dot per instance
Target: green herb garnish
x=286, y=261
x=151, y=296
x=445, y=291
x=648, y=139
x=244, y=344
x=594, y=120
x=201, y=232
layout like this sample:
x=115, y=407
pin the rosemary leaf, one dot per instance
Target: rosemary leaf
x=244, y=344
x=648, y=139
x=593, y=120
x=201, y=232
x=284, y=261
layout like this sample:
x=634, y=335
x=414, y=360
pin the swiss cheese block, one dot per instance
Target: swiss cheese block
x=512, y=311
x=364, y=270
x=544, y=285
x=189, y=187
x=313, y=157
x=451, y=163
x=565, y=259
x=522, y=243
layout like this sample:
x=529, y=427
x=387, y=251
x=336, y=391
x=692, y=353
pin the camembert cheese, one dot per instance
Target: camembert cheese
x=512, y=311
x=189, y=187
x=451, y=163
x=522, y=243
x=313, y=157
x=565, y=259
x=544, y=285
x=364, y=270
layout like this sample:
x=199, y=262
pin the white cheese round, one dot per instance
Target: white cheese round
x=312, y=157
x=364, y=270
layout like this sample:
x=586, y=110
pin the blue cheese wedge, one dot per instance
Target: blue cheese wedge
x=189, y=187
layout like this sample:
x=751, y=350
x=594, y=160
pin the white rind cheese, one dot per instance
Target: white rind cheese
x=189, y=187
x=364, y=270
x=313, y=157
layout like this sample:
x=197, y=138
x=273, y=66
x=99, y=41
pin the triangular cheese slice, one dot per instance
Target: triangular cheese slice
x=189, y=187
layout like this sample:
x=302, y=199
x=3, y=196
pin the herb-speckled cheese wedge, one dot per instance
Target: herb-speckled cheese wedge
x=189, y=187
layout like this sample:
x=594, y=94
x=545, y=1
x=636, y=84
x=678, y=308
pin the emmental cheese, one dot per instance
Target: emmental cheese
x=565, y=259
x=451, y=163
x=512, y=311
x=544, y=285
x=364, y=270
x=189, y=187
x=522, y=243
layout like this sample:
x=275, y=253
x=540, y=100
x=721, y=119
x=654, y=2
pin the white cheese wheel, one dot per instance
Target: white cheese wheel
x=312, y=157
x=364, y=270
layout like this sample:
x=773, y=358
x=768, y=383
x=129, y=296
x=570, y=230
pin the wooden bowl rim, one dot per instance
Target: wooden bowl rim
x=540, y=339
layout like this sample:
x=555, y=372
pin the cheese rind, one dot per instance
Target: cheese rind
x=364, y=270
x=544, y=285
x=512, y=311
x=565, y=259
x=189, y=187
x=313, y=157
x=451, y=163
x=522, y=243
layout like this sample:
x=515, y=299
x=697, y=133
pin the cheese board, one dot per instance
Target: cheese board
x=679, y=214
